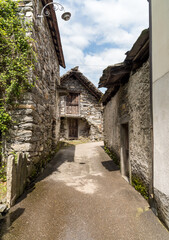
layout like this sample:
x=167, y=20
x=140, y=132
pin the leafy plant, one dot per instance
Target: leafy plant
x=5, y=120
x=3, y=173
x=138, y=184
x=16, y=60
x=112, y=155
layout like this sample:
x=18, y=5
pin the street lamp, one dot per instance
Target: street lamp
x=57, y=6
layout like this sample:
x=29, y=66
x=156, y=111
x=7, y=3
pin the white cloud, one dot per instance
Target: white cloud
x=100, y=32
x=117, y=13
x=73, y=55
x=94, y=64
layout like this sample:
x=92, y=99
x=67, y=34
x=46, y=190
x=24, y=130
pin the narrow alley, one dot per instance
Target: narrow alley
x=82, y=196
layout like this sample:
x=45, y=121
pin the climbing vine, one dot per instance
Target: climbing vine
x=16, y=60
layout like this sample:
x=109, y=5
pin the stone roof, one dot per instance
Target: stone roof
x=138, y=54
x=109, y=94
x=113, y=74
x=54, y=29
x=74, y=72
x=140, y=49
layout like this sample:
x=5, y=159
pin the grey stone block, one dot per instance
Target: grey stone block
x=3, y=208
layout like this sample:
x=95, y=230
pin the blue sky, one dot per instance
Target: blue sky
x=100, y=32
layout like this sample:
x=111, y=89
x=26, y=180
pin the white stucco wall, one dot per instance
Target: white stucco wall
x=160, y=35
x=160, y=74
x=161, y=134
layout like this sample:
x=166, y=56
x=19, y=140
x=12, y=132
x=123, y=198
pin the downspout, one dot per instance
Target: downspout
x=151, y=187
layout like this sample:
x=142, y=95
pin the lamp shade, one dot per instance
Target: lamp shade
x=66, y=16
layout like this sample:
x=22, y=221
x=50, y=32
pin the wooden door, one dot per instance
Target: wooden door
x=73, y=128
x=72, y=103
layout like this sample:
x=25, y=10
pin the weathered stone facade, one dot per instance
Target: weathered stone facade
x=89, y=113
x=111, y=128
x=127, y=115
x=131, y=105
x=37, y=126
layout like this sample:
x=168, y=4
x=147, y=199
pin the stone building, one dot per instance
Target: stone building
x=80, y=109
x=36, y=131
x=127, y=118
x=159, y=36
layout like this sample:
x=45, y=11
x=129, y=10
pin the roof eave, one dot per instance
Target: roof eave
x=54, y=29
x=113, y=74
x=138, y=45
x=135, y=57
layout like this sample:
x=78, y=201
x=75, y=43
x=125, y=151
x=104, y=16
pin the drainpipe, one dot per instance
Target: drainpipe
x=151, y=187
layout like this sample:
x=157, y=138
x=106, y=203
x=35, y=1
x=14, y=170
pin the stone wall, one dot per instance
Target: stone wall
x=17, y=176
x=131, y=105
x=90, y=111
x=162, y=206
x=140, y=124
x=111, y=125
x=36, y=130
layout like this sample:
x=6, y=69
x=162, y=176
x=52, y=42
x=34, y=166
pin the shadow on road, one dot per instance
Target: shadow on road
x=110, y=166
x=65, y=154
x=6, y=223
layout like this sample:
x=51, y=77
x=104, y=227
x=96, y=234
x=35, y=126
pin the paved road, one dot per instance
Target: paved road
x=82, y=196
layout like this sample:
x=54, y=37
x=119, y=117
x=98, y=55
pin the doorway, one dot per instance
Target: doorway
x=73, y=128
x=125, y=163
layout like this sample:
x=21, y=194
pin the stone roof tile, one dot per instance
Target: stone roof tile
x=84, y=80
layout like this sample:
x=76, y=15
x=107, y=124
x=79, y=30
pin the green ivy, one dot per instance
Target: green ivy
x=16, y=59
x=3, y=173
x=5, y=120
